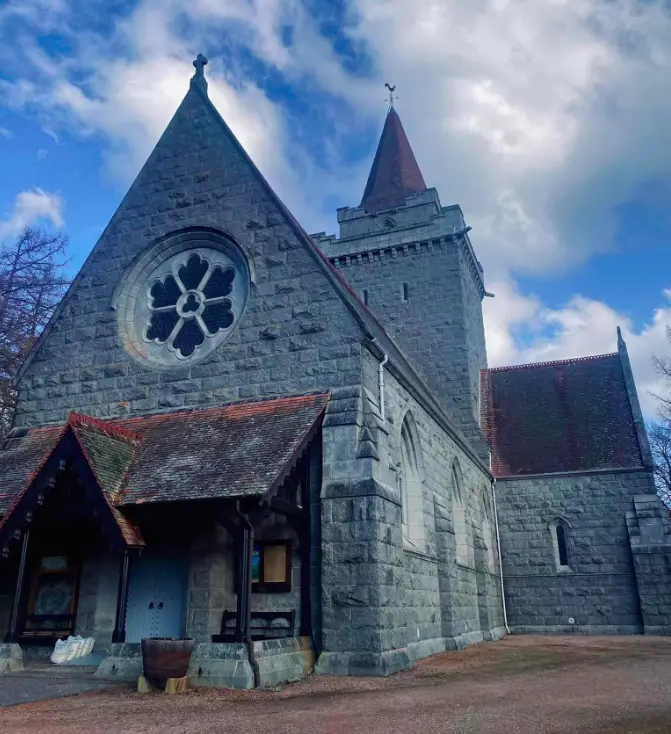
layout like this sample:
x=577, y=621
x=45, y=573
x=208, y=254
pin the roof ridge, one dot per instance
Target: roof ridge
x=550, y=363
x=203, y=410
x=104, y=426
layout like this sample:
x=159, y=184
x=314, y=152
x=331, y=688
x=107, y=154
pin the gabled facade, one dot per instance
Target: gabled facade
x=236, y=432
x=288, y=470
x=574, y=481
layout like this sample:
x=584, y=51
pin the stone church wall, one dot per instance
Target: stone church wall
x=598, y=591
x=211, y=584
x=386, y=605
x=439, y=324
x=295, y=335
x=649, y=526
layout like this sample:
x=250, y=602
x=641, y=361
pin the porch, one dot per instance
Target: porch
x=239, y=574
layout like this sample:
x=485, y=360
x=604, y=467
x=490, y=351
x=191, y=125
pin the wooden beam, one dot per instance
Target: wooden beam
x=14, y=631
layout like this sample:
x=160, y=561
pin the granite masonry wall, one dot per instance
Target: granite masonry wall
x=649, y=527
x=437, y=319
x=398, y=604
x=295, y=335
x=212, y=579
x=598, y=591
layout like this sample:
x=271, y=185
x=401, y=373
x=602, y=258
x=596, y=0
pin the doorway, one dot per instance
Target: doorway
x=156, y=596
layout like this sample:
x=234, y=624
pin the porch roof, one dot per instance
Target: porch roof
x=237, y=450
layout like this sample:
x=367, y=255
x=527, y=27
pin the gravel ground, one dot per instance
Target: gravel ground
x=522, y=685
x=30, y=686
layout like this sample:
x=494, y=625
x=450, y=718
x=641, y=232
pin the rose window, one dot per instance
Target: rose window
x=189, y=305
x=179, y=306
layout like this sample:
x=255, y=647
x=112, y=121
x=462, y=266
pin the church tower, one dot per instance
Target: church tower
x=411, y=261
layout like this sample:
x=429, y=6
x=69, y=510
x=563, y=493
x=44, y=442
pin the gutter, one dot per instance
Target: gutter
x=498, y=545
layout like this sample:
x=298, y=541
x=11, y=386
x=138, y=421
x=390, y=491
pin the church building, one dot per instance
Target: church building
x=290, y=448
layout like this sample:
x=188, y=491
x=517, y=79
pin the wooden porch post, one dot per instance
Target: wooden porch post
x=14, y=631
x=243, y=609
x=119, y=634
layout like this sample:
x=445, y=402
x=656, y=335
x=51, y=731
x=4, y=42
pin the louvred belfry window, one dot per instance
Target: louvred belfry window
x=190, y=304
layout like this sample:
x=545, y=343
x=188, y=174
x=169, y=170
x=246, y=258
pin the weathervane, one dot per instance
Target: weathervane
x=391, y=94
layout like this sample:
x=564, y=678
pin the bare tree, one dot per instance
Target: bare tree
x=663, y=365
x=659, y=435
x=659, y=431
x=32, y=282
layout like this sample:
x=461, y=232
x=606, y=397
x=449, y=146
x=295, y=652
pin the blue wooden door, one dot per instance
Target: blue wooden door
x=156, y=596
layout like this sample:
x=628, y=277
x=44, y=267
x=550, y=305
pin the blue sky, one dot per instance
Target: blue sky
x=547, y=121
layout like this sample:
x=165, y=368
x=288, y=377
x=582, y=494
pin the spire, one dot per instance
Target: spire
x=395, y=174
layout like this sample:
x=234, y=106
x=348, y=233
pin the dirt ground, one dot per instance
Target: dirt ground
x=521, y=685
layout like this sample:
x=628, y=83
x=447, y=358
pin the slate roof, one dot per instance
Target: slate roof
x=395, y=174
x=562, y=416
x=236, y=450
x=20, y=458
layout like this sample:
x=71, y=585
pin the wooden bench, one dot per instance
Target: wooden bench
x=262, y=626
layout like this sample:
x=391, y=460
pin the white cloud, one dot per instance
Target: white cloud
x=521, y=330
x=30, y=208
x=539, y=118
x=6, y=133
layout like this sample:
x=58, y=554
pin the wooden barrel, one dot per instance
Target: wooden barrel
x=166, y=657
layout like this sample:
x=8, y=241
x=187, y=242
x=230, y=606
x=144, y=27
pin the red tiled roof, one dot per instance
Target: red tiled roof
x=395, y=174
x=237, y=450
x=568, y=415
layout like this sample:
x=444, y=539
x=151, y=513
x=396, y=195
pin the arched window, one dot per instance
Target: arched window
x=562, y=548
x=412, y=487
x=559, y=530
x=405, y=292
x=365, y=296
x=459, y=515
x=488, y=530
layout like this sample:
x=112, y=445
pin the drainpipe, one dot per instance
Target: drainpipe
x=246, y=590
x=380, y=381
x=498, y=545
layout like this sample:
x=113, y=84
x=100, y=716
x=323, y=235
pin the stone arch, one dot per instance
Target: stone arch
x=411, y=478
x=459, y=516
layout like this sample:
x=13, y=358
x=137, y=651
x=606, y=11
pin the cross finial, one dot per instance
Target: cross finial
x=199, y=77
x=199, y=63
x=391, y=94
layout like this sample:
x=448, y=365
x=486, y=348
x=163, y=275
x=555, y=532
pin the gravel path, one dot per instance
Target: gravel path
x=520, y=685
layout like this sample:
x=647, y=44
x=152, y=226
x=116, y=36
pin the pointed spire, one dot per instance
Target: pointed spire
x=395, y=174
x=198, y=79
